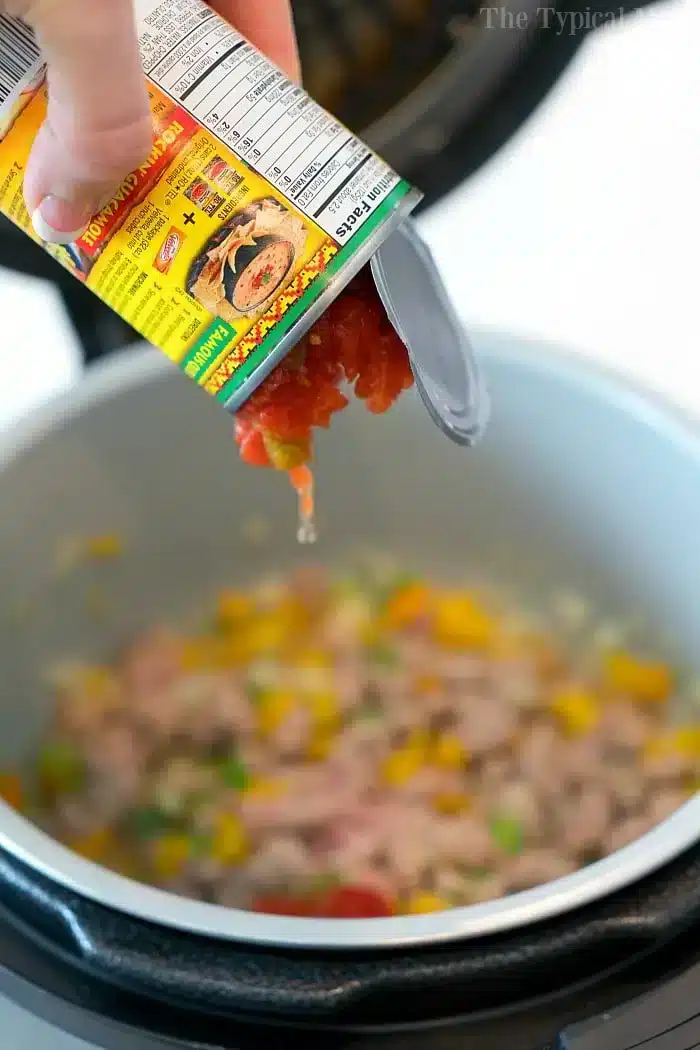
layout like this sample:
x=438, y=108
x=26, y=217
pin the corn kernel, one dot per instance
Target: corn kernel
x=424, y=904
x=94, y=847
x=273, y=708
x=105, y=546
x=577, y=708
x=230, y=845
x=448, y=752
x=406, y=606
x=11, y=790
x=461, y=623
x=402, y=766
x=450, y=803
x=170, y=854
x=644, y=680
x=233, y=607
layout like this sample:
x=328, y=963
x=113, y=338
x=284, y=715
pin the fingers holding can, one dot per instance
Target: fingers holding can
x=98, y=125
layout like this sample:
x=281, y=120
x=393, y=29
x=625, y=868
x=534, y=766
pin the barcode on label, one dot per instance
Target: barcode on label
x=19, y=55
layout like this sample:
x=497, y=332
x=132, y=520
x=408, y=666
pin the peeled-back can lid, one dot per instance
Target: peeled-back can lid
x=447, y=375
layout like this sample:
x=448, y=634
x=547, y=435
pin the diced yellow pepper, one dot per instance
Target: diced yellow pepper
x=684, y=741
x=313, y=659
x=577, y=708
x=233, y=607
x=325, y=709
x=94, y=847
x=406, y=606
x=106, y=546
x=274, y=707
x=424, y=904
x=645, y=680
x=170, y=854
x=427, y=684
x=319, y=747
x=275, y=630
x=99, y=683
x=450, y=803
x=11, y=789
x=402, y=766
x=462, y=623
x=448, y=752
x=230, y=844
x=204, y=654
x=372, y=633
x=266, y=789
x=420, y=740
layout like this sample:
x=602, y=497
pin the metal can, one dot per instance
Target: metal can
x=253, y=211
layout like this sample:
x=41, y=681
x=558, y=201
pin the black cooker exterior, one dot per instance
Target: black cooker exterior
x=122, y=982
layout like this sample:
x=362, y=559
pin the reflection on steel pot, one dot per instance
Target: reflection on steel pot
x=532, y=506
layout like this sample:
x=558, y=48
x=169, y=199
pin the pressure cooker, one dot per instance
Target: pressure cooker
x=134, y=446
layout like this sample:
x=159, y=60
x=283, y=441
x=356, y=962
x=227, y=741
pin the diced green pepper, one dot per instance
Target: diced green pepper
x=382, y=654
x=149, y=822
x=234, y=774
x=200, y=843
x=61, y=769
x=254, y=691
x=508, y=835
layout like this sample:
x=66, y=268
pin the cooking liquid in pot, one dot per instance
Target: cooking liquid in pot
x=359, y=746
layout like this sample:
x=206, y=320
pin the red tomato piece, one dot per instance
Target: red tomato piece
x=294, y=907
x=354, y=342
x=353, y=902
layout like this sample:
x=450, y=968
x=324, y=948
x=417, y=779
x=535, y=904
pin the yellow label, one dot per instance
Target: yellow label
x=251, y=202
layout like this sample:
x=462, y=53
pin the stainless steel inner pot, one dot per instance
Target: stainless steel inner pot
x=581, y=482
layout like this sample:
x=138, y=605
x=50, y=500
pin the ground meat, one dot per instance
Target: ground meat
x=377, y=744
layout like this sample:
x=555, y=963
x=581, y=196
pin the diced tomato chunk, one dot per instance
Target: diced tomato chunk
x=352, y=342
x=355, y=902
x=340, y=902
x=280, y=905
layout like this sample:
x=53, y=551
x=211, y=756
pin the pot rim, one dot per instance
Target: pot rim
x=666, y=841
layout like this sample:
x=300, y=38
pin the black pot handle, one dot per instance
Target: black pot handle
x=473, y=976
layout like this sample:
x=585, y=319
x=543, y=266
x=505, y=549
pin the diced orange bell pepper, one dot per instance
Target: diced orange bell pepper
x=11, y=790
x=647, y=681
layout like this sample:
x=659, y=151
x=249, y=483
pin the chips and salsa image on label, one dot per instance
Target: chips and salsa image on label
x=246, y=262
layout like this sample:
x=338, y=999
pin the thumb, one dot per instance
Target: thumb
x=98, y=124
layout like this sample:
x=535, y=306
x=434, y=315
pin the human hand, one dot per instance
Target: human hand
x=98, y=126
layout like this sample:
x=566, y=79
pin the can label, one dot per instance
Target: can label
x=252, y=201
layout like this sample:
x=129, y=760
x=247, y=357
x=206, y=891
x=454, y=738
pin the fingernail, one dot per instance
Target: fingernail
x=59, y=222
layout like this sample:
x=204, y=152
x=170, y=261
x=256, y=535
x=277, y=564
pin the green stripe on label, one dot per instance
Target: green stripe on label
x=209, y=346
x=300, y=307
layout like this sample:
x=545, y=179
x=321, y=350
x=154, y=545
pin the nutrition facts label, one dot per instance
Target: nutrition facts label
x=209, y=69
